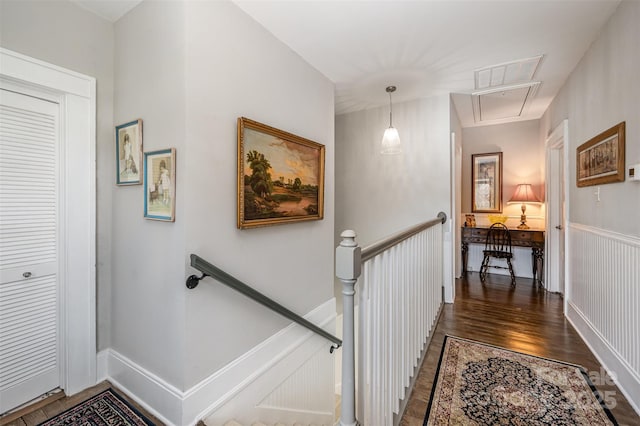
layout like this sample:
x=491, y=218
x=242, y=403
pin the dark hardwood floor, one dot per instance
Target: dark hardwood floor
x=39, y=412
x=525, y=319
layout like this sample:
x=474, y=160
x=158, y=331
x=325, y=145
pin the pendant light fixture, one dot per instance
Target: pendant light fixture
x=391, y=138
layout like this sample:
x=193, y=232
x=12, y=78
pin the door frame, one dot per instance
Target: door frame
x=557, y=140
x=76, y=95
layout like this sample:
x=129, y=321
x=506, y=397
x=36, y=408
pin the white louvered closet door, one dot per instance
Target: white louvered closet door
x=29, y=331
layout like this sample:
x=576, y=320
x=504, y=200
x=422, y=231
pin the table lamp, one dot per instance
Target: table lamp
x=524, y=194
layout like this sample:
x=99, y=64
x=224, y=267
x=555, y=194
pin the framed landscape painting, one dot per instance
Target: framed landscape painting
x=160, y=185
x=486, y=182
x=129, y=153
x=601, y=159
x=280, y=176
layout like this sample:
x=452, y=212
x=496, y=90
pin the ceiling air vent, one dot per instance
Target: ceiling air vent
x=503, y=102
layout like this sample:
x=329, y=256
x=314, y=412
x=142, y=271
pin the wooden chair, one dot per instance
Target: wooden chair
x=497, y=245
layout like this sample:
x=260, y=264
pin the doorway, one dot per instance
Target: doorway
x=556, y=229
x=48, y=190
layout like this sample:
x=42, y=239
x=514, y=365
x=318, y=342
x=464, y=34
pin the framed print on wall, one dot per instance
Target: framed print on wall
x=280, y=176
x=160, y=184
x=601, y=159
x=129, y=153
x=486, y=183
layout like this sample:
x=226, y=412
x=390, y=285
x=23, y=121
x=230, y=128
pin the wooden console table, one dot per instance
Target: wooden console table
x=533, y=238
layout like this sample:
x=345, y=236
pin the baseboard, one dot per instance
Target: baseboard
x=102, y=362
x=157, y=396
x=625, y=378
x=175, y=407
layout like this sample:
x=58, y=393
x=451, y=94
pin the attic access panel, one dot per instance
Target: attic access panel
x=502, y=103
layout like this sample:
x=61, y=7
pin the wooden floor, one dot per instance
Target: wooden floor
x=524, y=319
x=36, y=413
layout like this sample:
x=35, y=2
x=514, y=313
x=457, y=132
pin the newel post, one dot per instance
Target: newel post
x=348, y=266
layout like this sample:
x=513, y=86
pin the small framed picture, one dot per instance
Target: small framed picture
x=470, y=220
x=160, y=184
x=129, y=153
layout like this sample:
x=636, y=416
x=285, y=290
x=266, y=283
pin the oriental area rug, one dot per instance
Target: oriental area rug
x=480, y=384
x=105, y=409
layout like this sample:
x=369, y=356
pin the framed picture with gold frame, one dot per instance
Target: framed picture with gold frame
x=601, y=159
x=280, y=176
x=486, y=183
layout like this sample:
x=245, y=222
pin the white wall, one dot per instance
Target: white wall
x=523, y=162
x=236, y=68
x=61, y=33
x=602, y=91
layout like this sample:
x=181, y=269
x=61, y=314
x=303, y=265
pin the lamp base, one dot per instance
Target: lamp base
x=523, y=222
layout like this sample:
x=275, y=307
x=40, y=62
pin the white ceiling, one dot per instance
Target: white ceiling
x=428, y=47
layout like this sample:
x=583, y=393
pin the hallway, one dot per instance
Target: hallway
x=524, y=319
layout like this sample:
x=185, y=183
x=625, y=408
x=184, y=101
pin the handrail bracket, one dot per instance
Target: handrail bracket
x=194, y=280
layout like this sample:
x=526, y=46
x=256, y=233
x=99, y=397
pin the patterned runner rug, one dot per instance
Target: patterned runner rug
x=105, y=409
x=479, y=384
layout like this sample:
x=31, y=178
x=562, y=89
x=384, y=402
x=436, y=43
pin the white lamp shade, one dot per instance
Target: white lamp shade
x=391, y=141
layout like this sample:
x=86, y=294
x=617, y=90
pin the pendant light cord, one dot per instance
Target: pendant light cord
x=390, y=90
x=390, y=111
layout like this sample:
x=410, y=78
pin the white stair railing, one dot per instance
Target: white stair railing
x=399, y=299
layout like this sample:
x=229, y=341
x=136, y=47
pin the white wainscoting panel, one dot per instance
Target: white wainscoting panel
x=309, y=389
x=522, y=261
x=604, y=301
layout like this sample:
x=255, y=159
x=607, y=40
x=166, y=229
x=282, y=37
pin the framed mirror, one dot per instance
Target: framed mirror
x=486, y=183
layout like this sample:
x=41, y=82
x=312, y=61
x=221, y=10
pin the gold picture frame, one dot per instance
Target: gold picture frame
x=486, y=183
x=600, y=160
x=280, y=176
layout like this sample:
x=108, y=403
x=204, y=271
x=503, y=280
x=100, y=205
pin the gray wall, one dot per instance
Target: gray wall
x=61, y=33
x=188, y=70
x=602, y=91
x=382, y=194
x=148, y=297
x=236, y=68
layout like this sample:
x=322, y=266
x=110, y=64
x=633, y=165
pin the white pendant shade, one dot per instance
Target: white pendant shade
x=391, y=138
x=391, y=141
